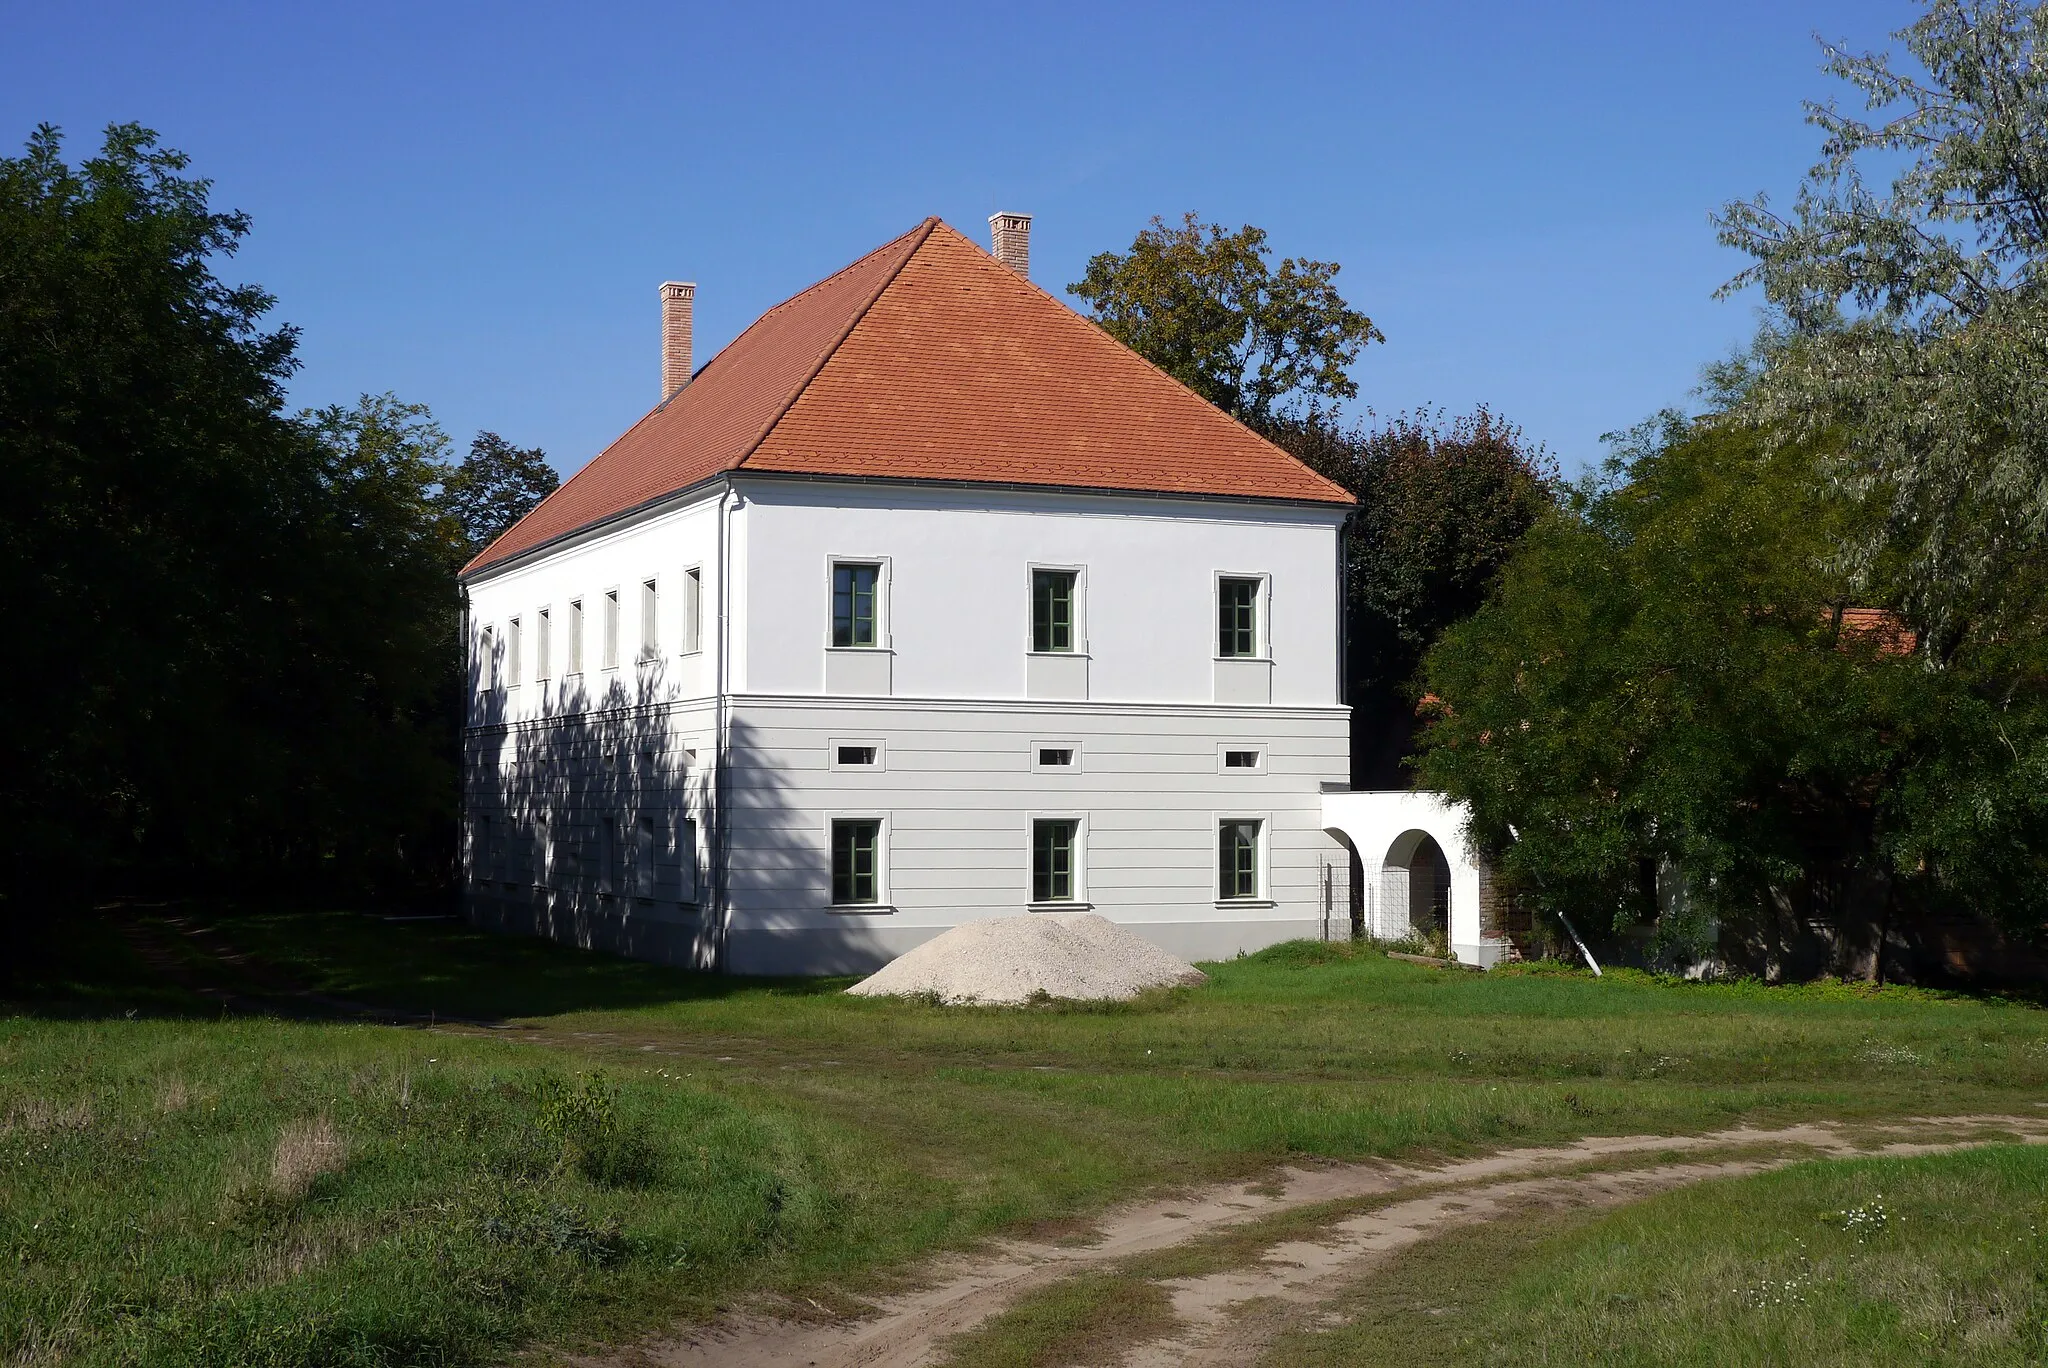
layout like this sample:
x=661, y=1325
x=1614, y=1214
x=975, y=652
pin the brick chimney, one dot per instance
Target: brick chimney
x=676, y=299
x=1011, y=236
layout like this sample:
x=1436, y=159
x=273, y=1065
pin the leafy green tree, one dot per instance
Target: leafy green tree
x=495, y=486
x=233, y=629
x=1670, y=672
x=1911, y=319
x=1206, y=307
x=1442, y=505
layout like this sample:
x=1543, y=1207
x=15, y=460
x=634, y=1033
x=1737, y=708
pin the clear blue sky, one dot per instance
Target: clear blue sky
x=473, y=205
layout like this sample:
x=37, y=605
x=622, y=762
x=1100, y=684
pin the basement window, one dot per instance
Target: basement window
x=1055, y=757
x=856, y=755
x=855, y=752
x=1241, y=759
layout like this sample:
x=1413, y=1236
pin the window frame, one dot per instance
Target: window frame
x=880, y=873
x=1224, y=749
x=1077, y=862
x=1262, y=827
x=487, y=658
x=608, y=658
x=879, y=746
x=879, y=612
x=693, y=610
x=543, y=642
x=650, y=621
x=1077, y=609
x=575, y=629
x=513, y=642
x=1261, y=610
x=1065, y=743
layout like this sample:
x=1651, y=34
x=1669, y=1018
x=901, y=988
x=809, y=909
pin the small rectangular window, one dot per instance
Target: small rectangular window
x=854, y=604
x=1237, y=614
x=1052, y=610
x=1055, y=757
x=512, y=653
x=611, y=629
x=575, y=636
x=1237, y=854
x=856, y=848
x=1052, y=860
x=650, y=620
x=693, y=610
x=1241, y=759
x=483, y=855
x=643, y=858
x=543, y=629
x=487, y=659
x=607, y=855
x=542, y=851
x=856, y=755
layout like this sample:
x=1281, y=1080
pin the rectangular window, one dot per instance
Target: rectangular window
x=575, y=636
x=643, y=858
x=650, y=620
x=1237, y=857
x=542, y=849
x=607, y=855
x=860, y=756
x=1241, y=759
x=854, y=604
x=686, y=858
x=611, y=629
x=1055, y=757
x=487, y=659
x=483, y=854
x=1052, y=860
x=1237, y=617
x=1052, y=610
x=693, y=610
x=543, y=625
x=856, y=849
x=512, y=652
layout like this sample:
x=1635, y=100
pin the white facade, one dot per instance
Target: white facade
x=674, y=797
x=1393, y=832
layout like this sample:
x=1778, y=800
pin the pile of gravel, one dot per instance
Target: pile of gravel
x=1012, y=959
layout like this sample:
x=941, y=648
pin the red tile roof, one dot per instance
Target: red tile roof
x=926, y=360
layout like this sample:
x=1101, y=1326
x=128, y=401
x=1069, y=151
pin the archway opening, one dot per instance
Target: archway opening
x=1416, y=889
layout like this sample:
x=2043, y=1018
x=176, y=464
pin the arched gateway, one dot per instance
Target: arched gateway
x=1419, y=871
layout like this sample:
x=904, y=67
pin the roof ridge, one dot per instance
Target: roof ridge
x=923, y=232
x=818, y=285
x=1216, y=413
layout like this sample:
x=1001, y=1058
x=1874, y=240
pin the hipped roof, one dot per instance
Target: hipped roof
x=925, y=360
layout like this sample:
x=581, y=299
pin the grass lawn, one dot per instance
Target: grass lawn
x=183, y=1185
x=1862, y=1261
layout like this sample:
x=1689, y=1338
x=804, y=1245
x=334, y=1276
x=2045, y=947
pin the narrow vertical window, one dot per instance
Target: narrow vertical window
x=1052, y=610
x=487, y=659
x=693, y=610
x=512, y=653
x=643, y=858
x=575, y=636
x=1052, y=860
x=611, y=629
x=542, y=851
x=853, y=604
x=855, y=850
x=1237, y=613
x=607, y=855
x=686, y=858
x=543, y=656
x=1237, y=858
x=650, y=620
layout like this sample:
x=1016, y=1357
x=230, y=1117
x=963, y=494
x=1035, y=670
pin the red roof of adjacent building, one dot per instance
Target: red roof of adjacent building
x=926, y=360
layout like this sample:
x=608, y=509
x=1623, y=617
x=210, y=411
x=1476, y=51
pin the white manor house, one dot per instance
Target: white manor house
x=921, y=602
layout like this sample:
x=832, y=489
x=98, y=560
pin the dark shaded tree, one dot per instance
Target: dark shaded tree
x=495, y=486
x=232, y=630
x=1206, y=307
x=1443, y=503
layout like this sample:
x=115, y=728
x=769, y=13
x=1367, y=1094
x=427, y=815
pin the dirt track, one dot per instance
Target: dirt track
x=1229, y=1316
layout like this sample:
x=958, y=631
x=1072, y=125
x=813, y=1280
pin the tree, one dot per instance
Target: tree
x=1203, y=305
x=1442, y=506
x=496, y=485
x=1669, y=673
x=233, y=629
x=1912, y=321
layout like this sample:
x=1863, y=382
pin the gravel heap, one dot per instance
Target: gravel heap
x=1010, y=959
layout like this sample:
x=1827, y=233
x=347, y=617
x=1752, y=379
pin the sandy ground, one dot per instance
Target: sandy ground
x=1073, y=955
x=1228, y=1317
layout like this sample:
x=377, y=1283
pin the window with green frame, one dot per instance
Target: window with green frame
x=1237, y=617
x=1052, y=859
x=853, y=604
x=856, y=850
x=1052, y=610
x=1237, y=859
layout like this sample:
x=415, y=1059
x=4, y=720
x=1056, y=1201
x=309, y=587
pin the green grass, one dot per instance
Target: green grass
x=753, y=1136
x=1087, y=1320
x=1927, y=1260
